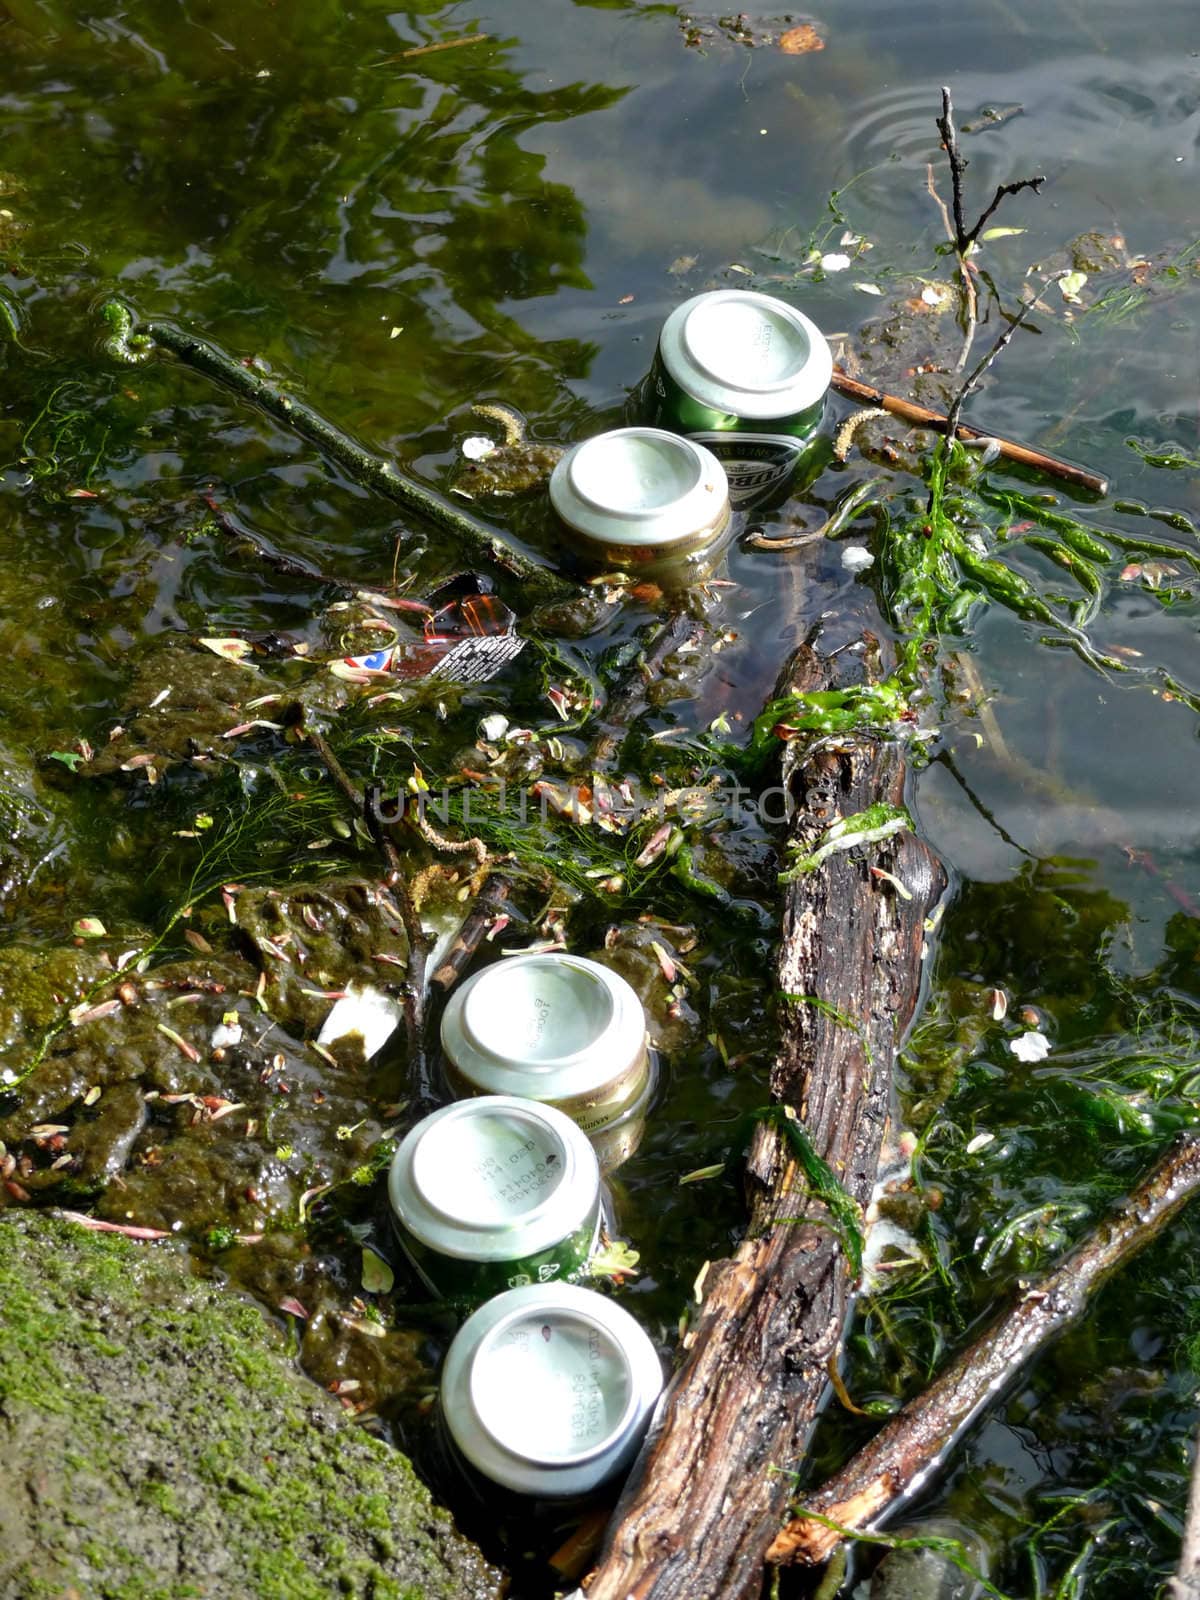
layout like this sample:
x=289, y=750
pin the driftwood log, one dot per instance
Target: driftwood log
x=1185, y=1585
x=706, y=1498
x=903, y=1455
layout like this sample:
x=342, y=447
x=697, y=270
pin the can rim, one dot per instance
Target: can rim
x=702, y=503
x=612, y=1051
x=500, y=1463
x=689, y=361
x=551, y=1458
x=571, y=1201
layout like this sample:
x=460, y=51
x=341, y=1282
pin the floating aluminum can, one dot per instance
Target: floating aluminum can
x=642, y=499
x=560, y=1029
x=548, y=1390
x=746, y=376
x=492, y=1193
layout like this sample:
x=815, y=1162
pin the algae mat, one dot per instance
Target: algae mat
x=158, y=1444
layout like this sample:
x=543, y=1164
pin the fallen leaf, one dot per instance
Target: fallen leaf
x=801, y=40
x=377, y=1276
x=1030, y=1047
x=89, y=928
x=702, y=1174
x=1069, y=286
x=614, y=1260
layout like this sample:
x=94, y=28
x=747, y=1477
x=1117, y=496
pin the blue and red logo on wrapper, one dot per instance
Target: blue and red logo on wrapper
x=377, y=661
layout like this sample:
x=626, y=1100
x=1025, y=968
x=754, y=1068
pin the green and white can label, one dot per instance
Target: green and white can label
x=495, y=1193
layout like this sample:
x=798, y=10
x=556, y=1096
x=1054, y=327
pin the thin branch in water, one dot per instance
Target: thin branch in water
x=959, y=235
x=127, y=342
x=965, y=237
x=902, y=1457
x=971, y=382
x=864, y=394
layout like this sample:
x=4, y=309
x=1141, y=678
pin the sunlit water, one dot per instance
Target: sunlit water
x=512, y=220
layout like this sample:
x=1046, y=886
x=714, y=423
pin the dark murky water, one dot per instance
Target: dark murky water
x=511, y=221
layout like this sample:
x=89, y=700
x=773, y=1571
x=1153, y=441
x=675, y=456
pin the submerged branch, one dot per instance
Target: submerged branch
x=901, y=1458
x=371, y=471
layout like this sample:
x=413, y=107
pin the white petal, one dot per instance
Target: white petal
x=478, y=447
x=857, y=558
x=368, y=1012
x=494, y=726
x=980, y=1142
x=835, y=263
x=1030, y=1046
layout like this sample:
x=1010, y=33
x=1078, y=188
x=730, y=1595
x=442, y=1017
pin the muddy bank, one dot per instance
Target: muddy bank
x=157, y=1441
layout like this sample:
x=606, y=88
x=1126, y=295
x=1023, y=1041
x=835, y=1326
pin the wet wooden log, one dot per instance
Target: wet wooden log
x=901, y=1457
x=1185, y=1585
x=706, y=1496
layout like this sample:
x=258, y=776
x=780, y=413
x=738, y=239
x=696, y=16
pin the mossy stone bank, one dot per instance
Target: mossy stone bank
x=157, y=1444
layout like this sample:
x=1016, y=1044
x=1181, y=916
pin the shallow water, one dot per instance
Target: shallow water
x=511, y=220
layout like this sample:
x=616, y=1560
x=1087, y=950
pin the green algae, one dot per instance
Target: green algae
x=191, y=1439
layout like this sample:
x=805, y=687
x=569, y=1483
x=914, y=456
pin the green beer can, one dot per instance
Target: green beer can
x=494, y=1193
x=746, y=376
x=559, y=1029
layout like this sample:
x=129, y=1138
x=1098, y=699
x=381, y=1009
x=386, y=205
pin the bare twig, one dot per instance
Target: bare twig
x=958, y=166
x=1001, y=190
x=964, y=238
x=970, y=295
x=442, y=44
x=959, y=235
x=922, y=417
x=965, y=389
x=900, y=1458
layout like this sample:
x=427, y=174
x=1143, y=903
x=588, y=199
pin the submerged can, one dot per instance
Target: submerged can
x=746, y=376
x=560, y=1029
x=548, y=1390
x=642, y=499
x=493, y=1193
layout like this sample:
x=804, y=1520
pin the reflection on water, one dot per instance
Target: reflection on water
x=512, y=220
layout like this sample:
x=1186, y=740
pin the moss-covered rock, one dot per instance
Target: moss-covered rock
x=158, y=1444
